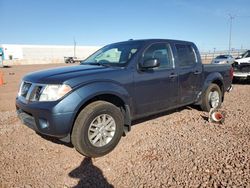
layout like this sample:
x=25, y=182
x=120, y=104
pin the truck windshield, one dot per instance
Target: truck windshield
x=246, y=54
x=117, y=54
x=223, y=57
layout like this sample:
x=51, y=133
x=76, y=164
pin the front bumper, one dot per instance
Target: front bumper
x=54, y=119
x=243, y=75
x=58, y=125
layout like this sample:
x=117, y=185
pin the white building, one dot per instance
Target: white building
x=26, y=54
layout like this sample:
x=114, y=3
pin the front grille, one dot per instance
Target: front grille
x=242, y=67
x=30, y=91
x=36, y=93
x=25, y=87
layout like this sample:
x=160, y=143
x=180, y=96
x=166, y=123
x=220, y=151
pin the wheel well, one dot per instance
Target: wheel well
x=220, y=84
x=117, y=101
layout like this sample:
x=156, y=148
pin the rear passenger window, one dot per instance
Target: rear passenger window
x=160, y=51
x=186, y=55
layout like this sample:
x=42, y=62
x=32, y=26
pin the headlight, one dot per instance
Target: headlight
x=54, y=92
x=223, y=62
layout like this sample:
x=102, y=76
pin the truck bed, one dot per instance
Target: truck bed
x=223, y=69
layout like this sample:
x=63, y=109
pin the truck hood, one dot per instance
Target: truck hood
x=63, y=74
x=243, y=60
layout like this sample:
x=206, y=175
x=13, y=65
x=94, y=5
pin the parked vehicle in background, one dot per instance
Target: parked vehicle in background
x=69, y=59
x=241, y=66
x=94, y=103
x=1, y=57
x=72, y=60
x=244, y=56
x=223, y=59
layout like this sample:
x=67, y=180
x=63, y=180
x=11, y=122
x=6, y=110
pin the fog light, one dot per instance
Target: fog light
x=43, y=123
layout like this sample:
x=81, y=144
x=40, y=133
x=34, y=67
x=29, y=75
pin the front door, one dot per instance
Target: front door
x=156, y=89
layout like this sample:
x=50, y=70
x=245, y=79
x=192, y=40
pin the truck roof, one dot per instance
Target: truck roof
x=157, y=40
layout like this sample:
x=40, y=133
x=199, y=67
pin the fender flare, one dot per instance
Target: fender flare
x=212, y=78
x=95, y=89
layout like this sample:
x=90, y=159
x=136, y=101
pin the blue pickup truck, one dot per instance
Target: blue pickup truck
x=94, y=103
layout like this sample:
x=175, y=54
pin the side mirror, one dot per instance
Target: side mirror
x=150, y=63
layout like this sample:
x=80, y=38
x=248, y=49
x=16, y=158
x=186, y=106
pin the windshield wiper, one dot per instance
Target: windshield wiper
x=96, y=63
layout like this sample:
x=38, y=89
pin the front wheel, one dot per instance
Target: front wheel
x=97, y=129
x=212, y=98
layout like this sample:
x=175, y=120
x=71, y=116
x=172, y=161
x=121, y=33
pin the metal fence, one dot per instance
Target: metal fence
x=207, y=57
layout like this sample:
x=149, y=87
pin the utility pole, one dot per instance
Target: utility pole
x=214, y=53
x=230, y=32
x=74, y=47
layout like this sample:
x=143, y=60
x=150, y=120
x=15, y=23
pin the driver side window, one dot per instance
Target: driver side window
x=162, y=52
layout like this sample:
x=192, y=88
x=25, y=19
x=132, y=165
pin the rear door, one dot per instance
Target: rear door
x=190, y=72
x=156, y=89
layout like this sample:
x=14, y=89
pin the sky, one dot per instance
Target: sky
x=99, y=22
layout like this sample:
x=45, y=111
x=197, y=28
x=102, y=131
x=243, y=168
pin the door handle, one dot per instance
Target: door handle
x=197, y=72
x=172, y=75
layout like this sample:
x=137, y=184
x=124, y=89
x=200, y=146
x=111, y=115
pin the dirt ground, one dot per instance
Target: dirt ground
x=176, y=149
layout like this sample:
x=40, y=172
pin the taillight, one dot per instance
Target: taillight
x=231, y=73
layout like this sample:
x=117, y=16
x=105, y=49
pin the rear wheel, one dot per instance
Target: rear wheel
x=97, y=129
x=212, y=98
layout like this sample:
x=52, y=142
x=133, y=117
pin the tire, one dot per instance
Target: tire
x=89, y=122
x=206, y=104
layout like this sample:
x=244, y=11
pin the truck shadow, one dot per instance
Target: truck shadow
x=56, y=141
x=89, y=175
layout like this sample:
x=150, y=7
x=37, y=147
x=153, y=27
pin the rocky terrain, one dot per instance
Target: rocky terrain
x=176, y=149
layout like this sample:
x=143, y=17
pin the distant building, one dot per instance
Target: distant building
x=32, y=54
x=1, y=57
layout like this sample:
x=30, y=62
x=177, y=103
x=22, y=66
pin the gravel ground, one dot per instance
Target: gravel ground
x=176, y=149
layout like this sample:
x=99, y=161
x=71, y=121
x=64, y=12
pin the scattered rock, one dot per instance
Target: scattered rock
x=180, y=149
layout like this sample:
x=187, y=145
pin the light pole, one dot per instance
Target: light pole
x=74, y=47
x=214, y=53
x=230, y=33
